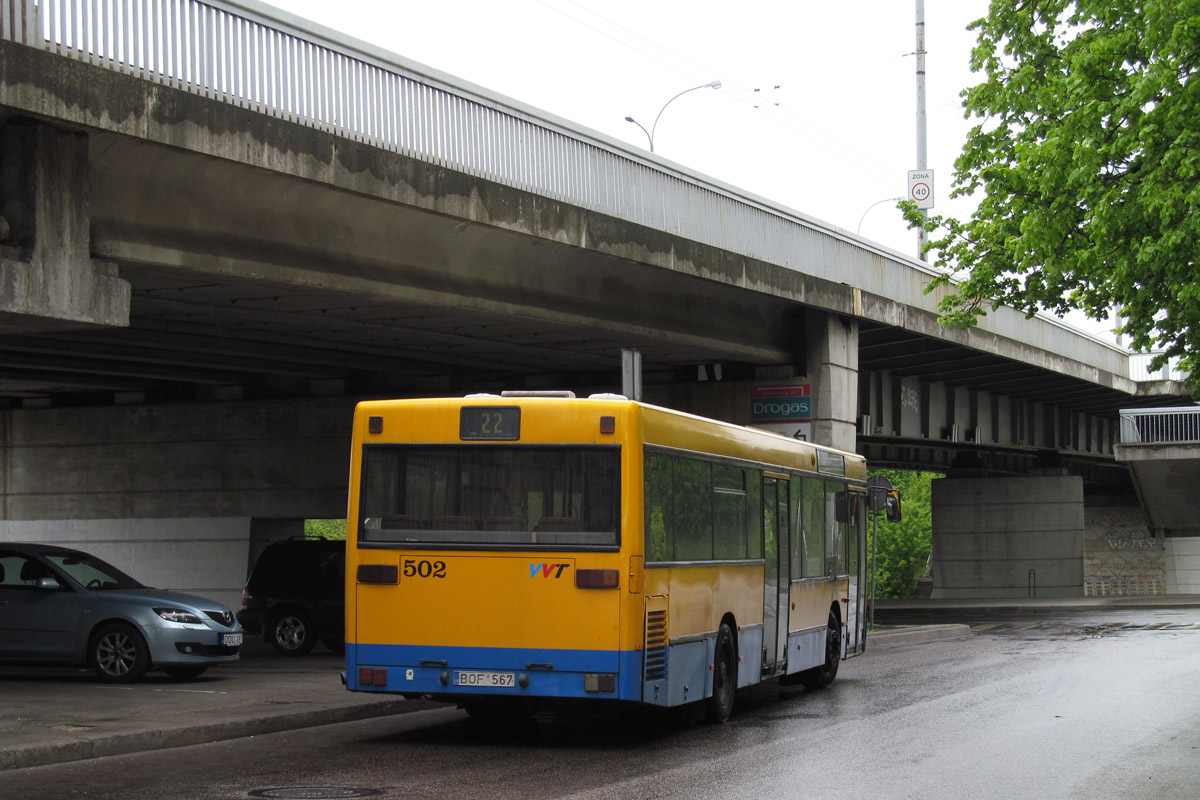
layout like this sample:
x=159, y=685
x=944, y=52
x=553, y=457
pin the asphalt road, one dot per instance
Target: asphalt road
x=1101, y=705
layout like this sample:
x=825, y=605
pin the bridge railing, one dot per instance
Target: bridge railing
x=256, y=57
x=1160, y=425
x=1139, y=369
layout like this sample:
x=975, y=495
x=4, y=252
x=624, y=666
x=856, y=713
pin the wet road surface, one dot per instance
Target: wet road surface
x=1039, y=706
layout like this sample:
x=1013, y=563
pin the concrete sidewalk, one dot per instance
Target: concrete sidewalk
x=51, y=716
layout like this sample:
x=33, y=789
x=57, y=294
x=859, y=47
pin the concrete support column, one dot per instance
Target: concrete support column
x=1008, y=537
x=832, y=353
x=47, y=277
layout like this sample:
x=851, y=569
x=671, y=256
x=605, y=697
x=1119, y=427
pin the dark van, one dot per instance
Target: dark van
x=295, y=595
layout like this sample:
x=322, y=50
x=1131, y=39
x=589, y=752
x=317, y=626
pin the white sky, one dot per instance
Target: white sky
x=817, y=109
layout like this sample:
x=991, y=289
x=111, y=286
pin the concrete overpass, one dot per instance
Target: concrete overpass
x=222, y=225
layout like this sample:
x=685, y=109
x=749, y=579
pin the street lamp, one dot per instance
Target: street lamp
x=877, y=202
x=654, y=127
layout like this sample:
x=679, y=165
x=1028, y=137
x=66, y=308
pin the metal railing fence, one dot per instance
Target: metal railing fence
x=236, y=53
x=1160, y=425
x=1139, y=369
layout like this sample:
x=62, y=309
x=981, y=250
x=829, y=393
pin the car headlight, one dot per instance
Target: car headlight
x=178, y=615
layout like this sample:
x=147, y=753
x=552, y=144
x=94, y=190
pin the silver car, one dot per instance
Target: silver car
x=63, y=606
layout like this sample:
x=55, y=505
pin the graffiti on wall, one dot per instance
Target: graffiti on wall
x=1121, y=556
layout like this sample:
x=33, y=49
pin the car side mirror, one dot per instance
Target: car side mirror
x=48, y=584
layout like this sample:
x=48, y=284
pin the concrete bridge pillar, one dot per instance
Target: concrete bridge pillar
x=47, y=276
x=1008, y=537
x=832, y=353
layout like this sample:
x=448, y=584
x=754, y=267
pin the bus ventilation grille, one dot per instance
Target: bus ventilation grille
x=656, y=645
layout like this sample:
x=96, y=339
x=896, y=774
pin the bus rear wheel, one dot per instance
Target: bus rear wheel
x=724, y=669
x=822, y=676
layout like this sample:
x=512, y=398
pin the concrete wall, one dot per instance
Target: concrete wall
x=1121, y=555
x=206, y=557
x=180, y=496
x=1183, y=564
x=989, y=533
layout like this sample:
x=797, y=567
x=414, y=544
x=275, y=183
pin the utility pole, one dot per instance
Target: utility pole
x=922, y=145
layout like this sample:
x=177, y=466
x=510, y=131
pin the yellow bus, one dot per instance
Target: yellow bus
x=508, y=550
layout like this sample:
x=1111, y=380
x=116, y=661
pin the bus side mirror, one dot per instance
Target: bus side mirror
x=892, y=506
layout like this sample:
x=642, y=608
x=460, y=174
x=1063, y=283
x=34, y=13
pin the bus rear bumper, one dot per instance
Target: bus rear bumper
x=467, y=672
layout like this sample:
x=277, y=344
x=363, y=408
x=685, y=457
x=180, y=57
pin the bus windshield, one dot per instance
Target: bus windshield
x=492, y=496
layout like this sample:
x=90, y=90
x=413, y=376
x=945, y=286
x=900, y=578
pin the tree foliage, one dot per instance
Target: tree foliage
x=903, y=549
x=325, y=528
x=1087, y=159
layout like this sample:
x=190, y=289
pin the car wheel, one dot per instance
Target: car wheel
x=291, y=633
x=186, y=673
x=118, y=654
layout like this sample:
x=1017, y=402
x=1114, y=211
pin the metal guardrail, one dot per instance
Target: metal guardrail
x=258, y=58
x=242, y=54
x=1160, y=425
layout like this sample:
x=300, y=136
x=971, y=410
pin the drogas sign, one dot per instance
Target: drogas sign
x=791, y=403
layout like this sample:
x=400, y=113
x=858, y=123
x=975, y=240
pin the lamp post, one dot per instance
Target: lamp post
x=654, y=127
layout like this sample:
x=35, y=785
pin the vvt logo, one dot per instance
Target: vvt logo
x=547, y=570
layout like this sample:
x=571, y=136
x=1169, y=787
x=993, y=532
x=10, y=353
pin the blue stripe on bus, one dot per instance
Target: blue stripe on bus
x=407, y=674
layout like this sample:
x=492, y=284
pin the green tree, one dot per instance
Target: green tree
x=325, y=528
x=1087, y=159
x=904, y=547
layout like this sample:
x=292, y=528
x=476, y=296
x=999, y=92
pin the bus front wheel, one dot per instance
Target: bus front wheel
x=822, y=676
x=724, y=669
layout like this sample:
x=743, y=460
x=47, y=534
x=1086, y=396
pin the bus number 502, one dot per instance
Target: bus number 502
x=414, y=568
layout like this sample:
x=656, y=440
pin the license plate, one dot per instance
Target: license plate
x=486, y=679
x=231, y=639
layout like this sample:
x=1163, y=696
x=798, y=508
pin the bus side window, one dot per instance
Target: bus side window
x=729, y=512
x=833, y=530
x=659, y=508
x=693, y=510
x=813, y=515
x=754, y=517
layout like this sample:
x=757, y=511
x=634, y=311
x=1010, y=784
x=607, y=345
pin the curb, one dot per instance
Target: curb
x=916, y=635
x=147, y=741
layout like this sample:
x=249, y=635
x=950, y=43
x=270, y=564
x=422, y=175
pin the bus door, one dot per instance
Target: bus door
x=856, y=566
x=777, y=579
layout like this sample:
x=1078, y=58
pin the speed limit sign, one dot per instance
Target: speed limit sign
x=920, y=187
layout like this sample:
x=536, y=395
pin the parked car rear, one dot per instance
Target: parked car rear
x=295, y=595
x=60, y=606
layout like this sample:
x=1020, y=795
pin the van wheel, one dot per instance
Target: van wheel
x=822, y=676
x=724, y=685
x=291, y=633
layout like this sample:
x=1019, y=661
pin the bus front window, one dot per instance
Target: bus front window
x=490, y=496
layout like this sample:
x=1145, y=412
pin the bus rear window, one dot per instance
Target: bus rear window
x=490, y=496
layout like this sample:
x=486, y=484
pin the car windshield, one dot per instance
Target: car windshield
x=91, y=571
